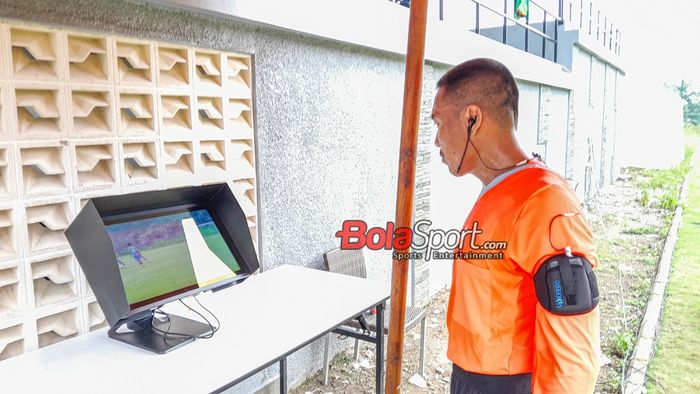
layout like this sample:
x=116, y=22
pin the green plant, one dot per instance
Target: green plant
x=677, y=353
x=641, y=230
x=691, y=109
x=639, y=304
x=624, y=341
x=669, y=201
x=644, y=199
x=664, y=183
x=649, y=260
x=642, y=288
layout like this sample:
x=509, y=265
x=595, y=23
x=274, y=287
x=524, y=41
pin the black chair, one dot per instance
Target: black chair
x=352, y=262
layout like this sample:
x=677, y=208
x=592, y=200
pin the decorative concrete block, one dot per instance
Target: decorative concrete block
x=5, y=108
x=137, y=113
x=244, y=190
x=10, y=227
x=173, y=66
x=176, y=111
x=140, y=164
x=35, y=54
x=208, y=70
x=213, y=162
x=91, y=112
x=96, y=165
x=240, y=119
x=134, y=63
x=43, y=167
x=7, y=172
x=210, y=119
x=46, y=221
x=88, y=59
x=243, y=160
x=11, y=287
x=238, y=76
x=12, y=340
x=39, y=111
x=5, y=51
x=58, y=326
x=54, y=279
x=178, y=163
x=95, y=316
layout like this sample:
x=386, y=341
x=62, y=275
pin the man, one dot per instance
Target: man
x=136, y=254
x=525, y=320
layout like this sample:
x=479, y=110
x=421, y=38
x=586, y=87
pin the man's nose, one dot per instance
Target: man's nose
x=437, y=141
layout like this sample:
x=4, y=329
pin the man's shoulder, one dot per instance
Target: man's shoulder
x=537, y=186
x=542, y=183
x=535, y=228
x=549, y=191
x=550, y=186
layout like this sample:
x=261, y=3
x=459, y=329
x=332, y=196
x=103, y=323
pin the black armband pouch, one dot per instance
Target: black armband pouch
x=566, y=285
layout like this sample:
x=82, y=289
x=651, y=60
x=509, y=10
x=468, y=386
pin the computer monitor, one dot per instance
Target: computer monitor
x=163, y=254
x=141, y=251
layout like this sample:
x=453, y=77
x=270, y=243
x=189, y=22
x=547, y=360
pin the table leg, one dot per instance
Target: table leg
x=326, y=361
x=379, y=348
x=283, y=376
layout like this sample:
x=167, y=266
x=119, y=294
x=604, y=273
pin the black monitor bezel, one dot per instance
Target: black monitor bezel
x=158, y=301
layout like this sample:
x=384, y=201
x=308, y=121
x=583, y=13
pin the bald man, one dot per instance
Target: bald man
x=526, y=320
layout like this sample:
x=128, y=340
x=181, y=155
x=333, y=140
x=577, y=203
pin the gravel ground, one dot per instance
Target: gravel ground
x=347, y=376
x=629, y=241
x=629, y=238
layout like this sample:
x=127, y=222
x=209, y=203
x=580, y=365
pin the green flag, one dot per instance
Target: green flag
x=522, y=8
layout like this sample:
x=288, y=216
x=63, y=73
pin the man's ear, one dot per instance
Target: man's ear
x=471, y=115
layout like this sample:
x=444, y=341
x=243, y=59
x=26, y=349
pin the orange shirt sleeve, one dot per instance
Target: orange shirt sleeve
x=566, y=357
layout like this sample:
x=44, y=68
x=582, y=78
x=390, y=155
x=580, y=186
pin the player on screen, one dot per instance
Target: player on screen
x=137, y=255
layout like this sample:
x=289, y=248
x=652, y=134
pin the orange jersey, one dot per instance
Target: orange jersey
x=496, y=324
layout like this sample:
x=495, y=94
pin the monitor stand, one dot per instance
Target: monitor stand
x=141, y=334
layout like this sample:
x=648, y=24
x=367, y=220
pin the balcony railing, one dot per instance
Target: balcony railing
x=510, y=22
x=540, y=31
x=588, y=19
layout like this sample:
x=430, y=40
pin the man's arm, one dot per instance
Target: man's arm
x=566, y=352
x=567, y=337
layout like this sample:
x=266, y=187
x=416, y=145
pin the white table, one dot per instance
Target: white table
x=263, y=320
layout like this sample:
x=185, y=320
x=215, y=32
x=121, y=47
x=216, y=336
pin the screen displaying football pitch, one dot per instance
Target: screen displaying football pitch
x=165, y=255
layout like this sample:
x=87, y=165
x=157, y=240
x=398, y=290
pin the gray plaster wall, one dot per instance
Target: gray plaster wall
x=594, y=122
x=327, y=130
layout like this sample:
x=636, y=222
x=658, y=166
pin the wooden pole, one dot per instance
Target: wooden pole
x=413, y=85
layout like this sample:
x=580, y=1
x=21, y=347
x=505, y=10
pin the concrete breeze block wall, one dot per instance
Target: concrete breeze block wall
x=85, y=115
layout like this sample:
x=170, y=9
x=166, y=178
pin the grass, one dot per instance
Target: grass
x=675, y=365
x=624, y=342
x=641, y=230
x=628, y=244
x=167, y=269
x=661, y=187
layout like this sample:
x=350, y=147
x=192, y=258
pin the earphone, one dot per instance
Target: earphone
x=469, y=136
x=471, y=123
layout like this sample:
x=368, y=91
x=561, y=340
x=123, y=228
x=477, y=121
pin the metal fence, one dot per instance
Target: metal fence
x=540, y=31
x=537, y=28
x=590, y=20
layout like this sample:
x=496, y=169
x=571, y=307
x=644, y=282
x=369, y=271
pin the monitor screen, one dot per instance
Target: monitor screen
x=163, y=255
